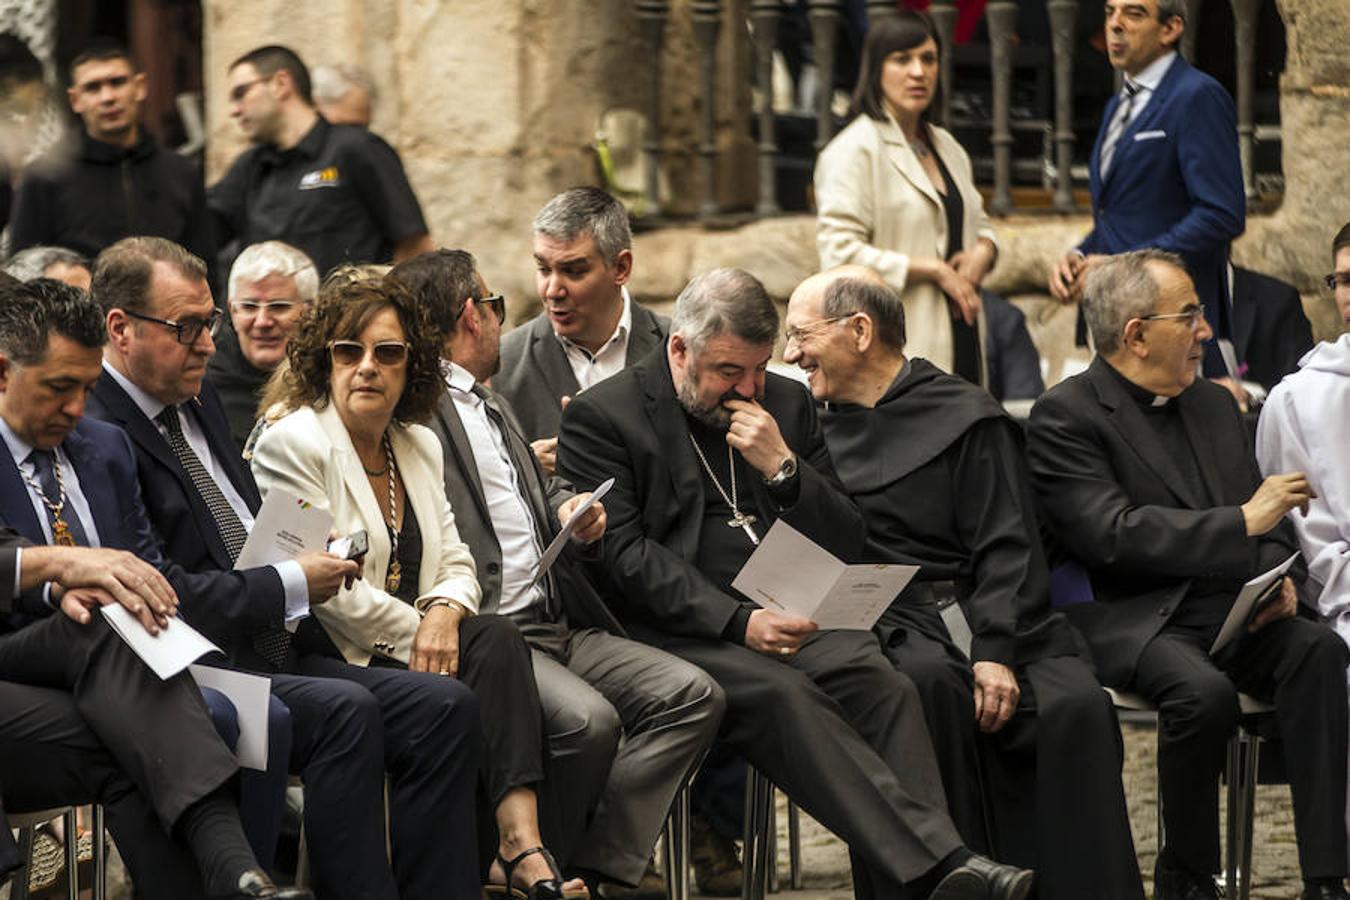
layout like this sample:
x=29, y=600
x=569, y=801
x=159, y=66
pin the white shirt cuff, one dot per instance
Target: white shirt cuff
x=296, y=588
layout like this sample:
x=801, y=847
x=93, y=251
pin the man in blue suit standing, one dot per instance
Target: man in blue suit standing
x=1165, y=171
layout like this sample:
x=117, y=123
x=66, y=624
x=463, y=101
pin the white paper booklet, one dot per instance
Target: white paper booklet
x=171, y=651
x=250, y=695
x=790, y=573
x=285, y=528
x=1254, y=594
x=555, y=547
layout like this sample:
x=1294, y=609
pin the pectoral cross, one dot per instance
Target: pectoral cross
x=742, y=521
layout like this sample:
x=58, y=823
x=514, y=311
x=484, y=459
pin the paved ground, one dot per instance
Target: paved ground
x=825, y=864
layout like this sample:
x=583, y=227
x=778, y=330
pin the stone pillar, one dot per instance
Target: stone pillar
x=1063, y=17
x=1192, y=32
x=707, y=22
x=652, y=16
x=1002, y=20
x=1244, y=16
x=764, y=18
x=943, y=14
x=879, y=9
x=824, y=16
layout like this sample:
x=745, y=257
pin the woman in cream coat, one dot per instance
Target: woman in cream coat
x=896, y=194
x=364, y=365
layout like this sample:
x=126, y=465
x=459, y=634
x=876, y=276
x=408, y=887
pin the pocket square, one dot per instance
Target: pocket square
x=1150, y=135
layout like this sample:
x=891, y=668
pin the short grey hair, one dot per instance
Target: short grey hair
x=587, y=210
x=1169, y=8
x=257, y=261
x=845, y=296
x=31, y=310
x=1121, y=288
x=33, y=262
x=331, y=83
x=724, y=301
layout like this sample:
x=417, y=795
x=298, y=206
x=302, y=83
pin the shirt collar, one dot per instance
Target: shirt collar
x=309, y=147
x=620, y=331
x=1153, y=73
x=18, y=447
x=459, y=378
x=147, y=404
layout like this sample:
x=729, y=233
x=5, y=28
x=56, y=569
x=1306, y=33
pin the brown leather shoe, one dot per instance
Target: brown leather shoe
x=651, y=887
x=717, y=868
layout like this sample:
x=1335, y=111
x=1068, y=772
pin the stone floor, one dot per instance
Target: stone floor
x=825, y=863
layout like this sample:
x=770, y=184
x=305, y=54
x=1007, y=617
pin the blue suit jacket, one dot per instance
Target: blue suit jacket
x=1175, y=183
x=223, y=605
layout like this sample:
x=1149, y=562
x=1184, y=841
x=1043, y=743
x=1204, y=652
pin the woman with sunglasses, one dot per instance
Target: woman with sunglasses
x=364, y=368
x=896, y=193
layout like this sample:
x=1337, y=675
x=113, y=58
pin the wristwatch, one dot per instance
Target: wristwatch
x=787, y=470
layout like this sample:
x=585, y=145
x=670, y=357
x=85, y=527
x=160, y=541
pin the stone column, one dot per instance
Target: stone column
x=879, y=9
x=652, y=16
x=1002, y=20
x=707, y=23
x=824, y=16
x=764, y=18
x=1192, y=32
x=1244, y=16
x=943, y=13
x=1063, y=17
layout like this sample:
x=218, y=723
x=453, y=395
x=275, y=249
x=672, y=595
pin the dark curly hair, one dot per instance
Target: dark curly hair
x=342, y=311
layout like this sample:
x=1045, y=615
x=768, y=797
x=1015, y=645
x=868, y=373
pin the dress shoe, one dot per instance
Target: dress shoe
x=255, y=884
x=717, y=870
x=1177, y=883
x=1326, y=891
x=979, y=878
x=651, y=887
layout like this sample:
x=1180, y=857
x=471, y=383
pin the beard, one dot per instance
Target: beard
x=714, y=415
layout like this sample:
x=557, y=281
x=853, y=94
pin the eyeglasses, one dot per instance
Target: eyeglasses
x=798, y=334
x=496, y=303
x=240, y=91
x=277, y=309
x=1337, y=280
x=1192, y=315
x=351, y=353
x=186, y=331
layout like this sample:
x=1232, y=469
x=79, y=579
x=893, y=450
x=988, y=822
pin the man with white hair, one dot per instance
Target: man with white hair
x=56, y=263
x=344, y=94
x=270, y=286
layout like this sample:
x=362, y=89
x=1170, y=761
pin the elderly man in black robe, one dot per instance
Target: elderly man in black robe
x=937, y=469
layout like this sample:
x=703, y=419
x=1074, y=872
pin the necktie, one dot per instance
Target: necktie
x=42, y=460
x=271, y=643
x=1118, y=123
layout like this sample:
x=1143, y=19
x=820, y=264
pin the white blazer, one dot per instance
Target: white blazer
x=877, y=207
x=309, y=454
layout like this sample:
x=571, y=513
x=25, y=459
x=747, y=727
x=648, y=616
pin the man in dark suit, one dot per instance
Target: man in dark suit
x=589, y=329
x=599, y=690
x=1270, y=330
x=69, y=483
x=349, y=722
x=1165, y=171
x=707, y=450
x=1147, y=478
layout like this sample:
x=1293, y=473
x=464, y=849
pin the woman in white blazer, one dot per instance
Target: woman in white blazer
x=364, y=366
x=895, y=193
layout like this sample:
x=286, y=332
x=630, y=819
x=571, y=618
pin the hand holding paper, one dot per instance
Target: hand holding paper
x=1248, y=604
x=556, y=547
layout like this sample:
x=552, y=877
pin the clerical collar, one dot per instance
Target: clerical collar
x=1140, y=395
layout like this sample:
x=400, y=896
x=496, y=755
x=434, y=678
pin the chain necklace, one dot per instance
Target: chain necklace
x=738, y=519
x=395, y=574
x=60, y=527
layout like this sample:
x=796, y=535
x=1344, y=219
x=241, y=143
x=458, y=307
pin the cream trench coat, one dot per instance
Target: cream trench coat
x=877, y=208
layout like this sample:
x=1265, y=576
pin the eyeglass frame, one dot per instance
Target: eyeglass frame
x=210, y=324
x=494, y=302
x=240, y=91
x=368, y=350
x=795, y=334
x=1336, y=280
x=269, y=305
x=1194, y=313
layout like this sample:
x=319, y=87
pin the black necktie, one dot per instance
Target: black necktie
x=42, y=460
x=270, y=642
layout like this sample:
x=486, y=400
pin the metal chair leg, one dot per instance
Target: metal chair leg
x=1252, y=743
x=794, y=846
x=100, y=855
x=72, y=829
x=302, y=876
x=771, y=856
x=18, y=885
x=1232, y=766
x=675, y=842
x=756, y=861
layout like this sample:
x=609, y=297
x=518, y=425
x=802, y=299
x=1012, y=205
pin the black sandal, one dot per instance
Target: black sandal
x=543, y=889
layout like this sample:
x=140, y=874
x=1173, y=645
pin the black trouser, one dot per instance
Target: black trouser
x=842, y=733
x=1300, y=667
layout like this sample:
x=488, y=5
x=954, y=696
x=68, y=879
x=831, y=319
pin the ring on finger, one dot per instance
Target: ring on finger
x=784, y=651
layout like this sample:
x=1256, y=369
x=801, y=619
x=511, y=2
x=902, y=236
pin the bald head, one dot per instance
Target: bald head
x=846, y=290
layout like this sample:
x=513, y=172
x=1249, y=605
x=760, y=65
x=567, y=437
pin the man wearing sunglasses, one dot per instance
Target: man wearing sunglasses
x=271, y=284
x=202, y=500
x=1146, y=478
x=337, y=192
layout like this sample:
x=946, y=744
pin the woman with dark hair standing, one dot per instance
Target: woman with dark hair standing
x=895, y=193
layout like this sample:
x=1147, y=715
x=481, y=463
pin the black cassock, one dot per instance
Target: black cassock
x=937, y=469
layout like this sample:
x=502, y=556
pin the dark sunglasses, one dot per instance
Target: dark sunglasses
x=386, y=353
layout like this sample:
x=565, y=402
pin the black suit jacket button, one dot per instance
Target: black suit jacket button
x=493, y=568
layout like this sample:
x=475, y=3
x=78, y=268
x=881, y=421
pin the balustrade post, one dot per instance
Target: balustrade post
x=707, y=15
x=1063, y=18
x=764, y=18
x=652, y=16
x=824, y=16
x=1244, y=15
x=943, y=13
x=1002, y=16
x=879, y=9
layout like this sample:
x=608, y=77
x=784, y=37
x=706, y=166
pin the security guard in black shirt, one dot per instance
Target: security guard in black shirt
x=336, y=192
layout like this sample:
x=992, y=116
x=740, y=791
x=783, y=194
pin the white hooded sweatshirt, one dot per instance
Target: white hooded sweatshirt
x=1305, y=427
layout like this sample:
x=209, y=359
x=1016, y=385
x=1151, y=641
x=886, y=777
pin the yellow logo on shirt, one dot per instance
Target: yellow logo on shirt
x=320, y=178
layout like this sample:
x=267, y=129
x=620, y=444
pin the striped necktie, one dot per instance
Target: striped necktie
x=1118, y=123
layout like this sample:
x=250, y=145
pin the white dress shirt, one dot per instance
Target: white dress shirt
x=291, y=574
x=512, y=520
x=592, y=368
x=1147, y=81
